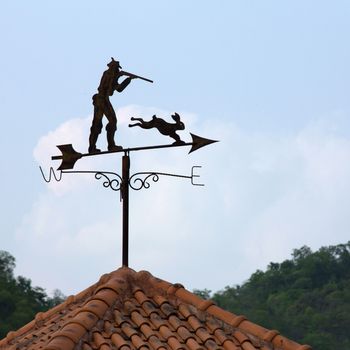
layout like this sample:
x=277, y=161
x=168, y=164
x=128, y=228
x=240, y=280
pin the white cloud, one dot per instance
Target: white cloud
x=264, y=196
x=72, y=131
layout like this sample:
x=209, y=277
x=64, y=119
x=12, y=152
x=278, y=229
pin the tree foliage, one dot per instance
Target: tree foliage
x=19, y=300
x=307, y=298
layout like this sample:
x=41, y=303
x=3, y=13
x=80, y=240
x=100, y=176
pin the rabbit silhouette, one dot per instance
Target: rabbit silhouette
x=165, y=128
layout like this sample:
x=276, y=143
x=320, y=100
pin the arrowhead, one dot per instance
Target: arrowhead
x=198, y=142
x=69, y=156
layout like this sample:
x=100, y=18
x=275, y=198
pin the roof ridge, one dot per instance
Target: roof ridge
x=118, y=285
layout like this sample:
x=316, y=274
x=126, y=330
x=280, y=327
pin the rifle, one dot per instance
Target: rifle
x=131, y=75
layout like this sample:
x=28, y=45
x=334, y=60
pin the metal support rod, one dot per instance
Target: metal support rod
x=125, y=200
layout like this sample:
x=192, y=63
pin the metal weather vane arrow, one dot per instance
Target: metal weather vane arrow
x=70, y=156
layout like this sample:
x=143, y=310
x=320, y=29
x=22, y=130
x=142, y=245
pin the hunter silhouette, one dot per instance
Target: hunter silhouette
x=102, y=105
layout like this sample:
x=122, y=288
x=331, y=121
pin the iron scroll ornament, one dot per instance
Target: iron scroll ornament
x=136, y=182
x=107, y=176
x=114, y=181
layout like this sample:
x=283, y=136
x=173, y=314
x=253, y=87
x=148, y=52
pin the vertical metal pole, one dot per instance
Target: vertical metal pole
x=125, y=198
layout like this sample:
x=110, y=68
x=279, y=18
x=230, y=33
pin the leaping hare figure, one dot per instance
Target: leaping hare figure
x=165, y=128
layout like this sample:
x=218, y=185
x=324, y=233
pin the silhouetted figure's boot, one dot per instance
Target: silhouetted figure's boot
x=111, y=144
x=92, y=143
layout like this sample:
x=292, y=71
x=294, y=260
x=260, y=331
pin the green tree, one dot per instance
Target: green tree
x=203, y=293
x=19, y=300
x=306, y=298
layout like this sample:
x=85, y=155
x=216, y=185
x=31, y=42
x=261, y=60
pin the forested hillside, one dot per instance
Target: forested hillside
x=307, y=298
x=19, y=300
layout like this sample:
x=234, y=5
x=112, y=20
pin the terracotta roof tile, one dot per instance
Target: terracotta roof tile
x=149, y=307
x=156, y=344
x=220, y=336
x=86, y=319
x=157, y=321
x=86, y=347
x=193, y=345
x=138, y=319
x=184, y=310
x=128, y=310
x=270, y=335
x=165, y=332
x=128, y=330
x=211, y=344
x=194, y=322
x=168, y=310
x=59, y=343
x=175, y=344
x=160, y=300
x=203, y=334
x=138, y=342
x=147, y=331
x=98, y=339
x=119, y=341
x=184, y=333
x=107, y=295
x=230, y=345
x=175, y=322
x=141, y=297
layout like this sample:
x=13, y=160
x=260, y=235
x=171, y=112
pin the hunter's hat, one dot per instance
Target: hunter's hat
x=114, y=63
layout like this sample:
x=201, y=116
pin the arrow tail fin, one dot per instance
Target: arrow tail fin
x=69, y=156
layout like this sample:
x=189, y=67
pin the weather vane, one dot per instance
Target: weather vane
x=103, y=107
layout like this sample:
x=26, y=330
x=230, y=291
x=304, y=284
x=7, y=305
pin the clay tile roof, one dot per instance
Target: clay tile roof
x=130, y=310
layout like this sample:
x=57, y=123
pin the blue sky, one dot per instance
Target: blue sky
x=269, y=79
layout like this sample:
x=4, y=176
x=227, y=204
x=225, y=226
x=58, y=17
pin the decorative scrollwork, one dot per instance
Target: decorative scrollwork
x=114, y=184
x=136, y=182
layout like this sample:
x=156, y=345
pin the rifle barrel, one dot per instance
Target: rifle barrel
x=136, y=76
